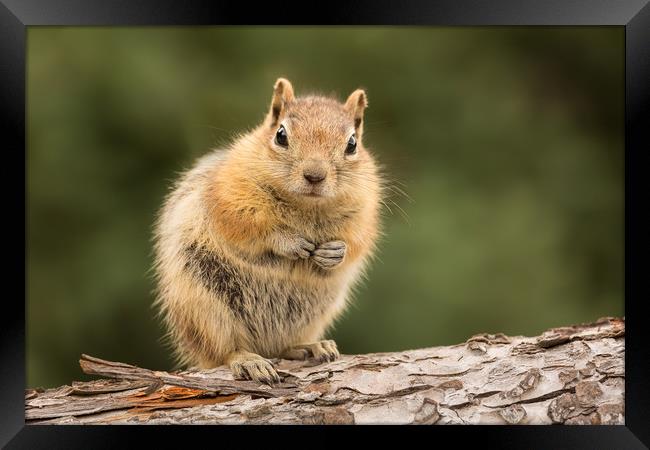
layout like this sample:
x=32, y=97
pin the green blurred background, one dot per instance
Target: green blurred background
x=509, y=141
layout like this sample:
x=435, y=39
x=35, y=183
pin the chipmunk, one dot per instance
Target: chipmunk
x=258, y=246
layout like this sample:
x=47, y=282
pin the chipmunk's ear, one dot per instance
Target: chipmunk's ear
x=356, y=105
x=282, y=94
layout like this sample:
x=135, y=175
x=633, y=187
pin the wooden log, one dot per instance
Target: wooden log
x=567, y=375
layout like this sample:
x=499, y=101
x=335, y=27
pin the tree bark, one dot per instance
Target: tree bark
x=569, y=375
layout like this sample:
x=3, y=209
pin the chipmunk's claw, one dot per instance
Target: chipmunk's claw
x=254, y=368
x=321, y=351
x=329, y=254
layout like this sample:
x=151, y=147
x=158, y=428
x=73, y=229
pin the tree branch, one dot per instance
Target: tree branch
x=570, y=375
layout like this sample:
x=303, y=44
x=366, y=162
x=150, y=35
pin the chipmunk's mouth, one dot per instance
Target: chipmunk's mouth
x=315, y=195
x=313, y=192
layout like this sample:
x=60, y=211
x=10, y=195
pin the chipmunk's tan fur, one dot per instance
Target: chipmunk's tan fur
x=253, y=260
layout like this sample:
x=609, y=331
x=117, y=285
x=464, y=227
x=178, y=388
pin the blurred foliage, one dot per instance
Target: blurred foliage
x=509, y=141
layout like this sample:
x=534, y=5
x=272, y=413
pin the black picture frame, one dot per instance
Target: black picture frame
x=633, y=15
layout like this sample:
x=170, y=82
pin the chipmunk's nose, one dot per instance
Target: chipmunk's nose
x=314, y=172
x=314, y=178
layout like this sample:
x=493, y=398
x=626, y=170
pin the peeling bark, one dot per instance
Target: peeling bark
x=569, y=375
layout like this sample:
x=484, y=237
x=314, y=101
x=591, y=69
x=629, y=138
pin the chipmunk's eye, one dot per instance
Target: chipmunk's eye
x=351, y=149
x=281, y=137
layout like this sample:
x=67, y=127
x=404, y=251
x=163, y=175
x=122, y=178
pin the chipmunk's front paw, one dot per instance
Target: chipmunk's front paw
x=322, y=351
x=329, y=254
x=294, y=247
x=249, y=366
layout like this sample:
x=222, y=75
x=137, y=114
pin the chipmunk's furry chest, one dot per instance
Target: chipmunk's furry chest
x=320, y=228
x=269, y=301
x=321, y=223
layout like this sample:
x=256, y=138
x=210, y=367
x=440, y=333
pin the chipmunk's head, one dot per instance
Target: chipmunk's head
x=313, y=147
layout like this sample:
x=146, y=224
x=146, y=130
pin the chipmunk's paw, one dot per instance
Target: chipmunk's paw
x=329, y=254
x=249, y=366
x=294, y=247
x=322, y=351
